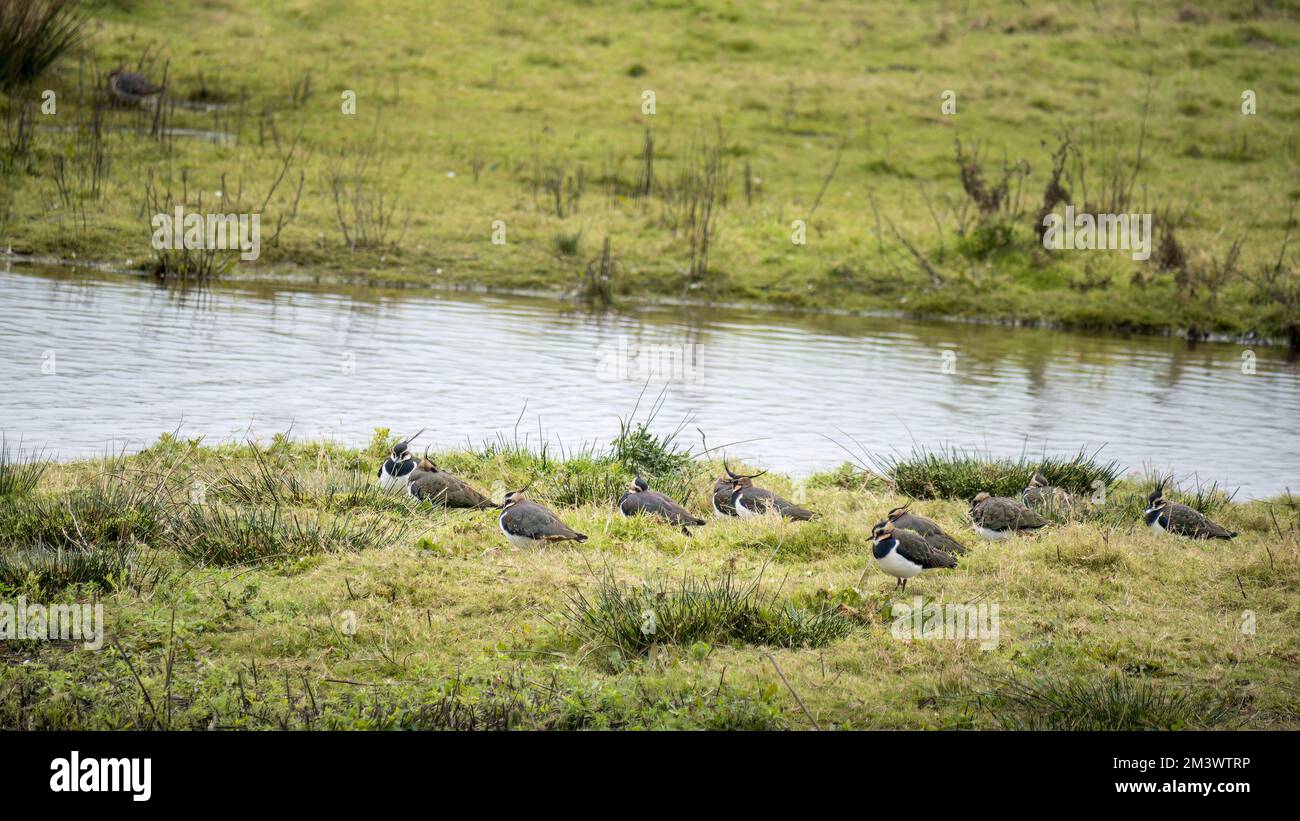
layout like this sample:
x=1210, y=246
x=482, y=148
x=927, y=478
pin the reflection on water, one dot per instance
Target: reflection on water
x=131, y=360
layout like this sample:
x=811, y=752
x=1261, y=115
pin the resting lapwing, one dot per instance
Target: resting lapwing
x=997, y=517
x=396, y=470
x=722, y=492
x=429, y=482
x=750, y=500
x=903, y=554
x=527, y=523
x=641, y=500
x=933, y=533
x=1042, y=496
x=130, y=86
x=1165, y=516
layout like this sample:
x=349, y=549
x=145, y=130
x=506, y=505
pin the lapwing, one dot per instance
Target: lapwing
x=641, y=500
x=933, y=533
x=527, y=523
x=722, y=492
x=427, y=481
x=903, y=554
x=1165, y=516
x=1040, y=495
x=131, y=86
x=750, y=500
x=396, y=470
x=997, y=517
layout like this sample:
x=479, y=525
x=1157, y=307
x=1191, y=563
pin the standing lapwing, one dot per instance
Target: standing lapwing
x=751, y=500
x=934, y=535
x=1042, y=496
x=903, y=554
x=527, y=523
x=396, y=470
x=640, y=499
x=1165, y=516
x=445, y=489
x=130, y=86
x=997, y=517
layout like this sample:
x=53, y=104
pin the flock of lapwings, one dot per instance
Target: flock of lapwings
x=904, y=544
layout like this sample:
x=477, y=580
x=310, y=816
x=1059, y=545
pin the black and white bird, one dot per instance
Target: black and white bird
x=429, y=482
x=1165, y=516
x=641, y=500
x=1041, y=496
x=750, y=500
x=527, y=523
x=934, y=535
x=131, y=86
x=997, y=517
x=903, y=554
x=396, y=470
x=723, y=489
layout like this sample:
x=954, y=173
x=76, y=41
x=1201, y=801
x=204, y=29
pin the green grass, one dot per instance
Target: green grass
x=19, y=472
x=831, y=115
x=276, y=609
x=630, y=622
x=92, y=534
x=958, y=473
x=1116, y=702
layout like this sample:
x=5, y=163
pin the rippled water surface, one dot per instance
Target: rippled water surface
x=91, y=361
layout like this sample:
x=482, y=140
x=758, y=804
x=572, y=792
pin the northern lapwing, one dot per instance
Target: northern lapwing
x=903, y=554
x=641, y=500
x=750, y=500
x=1042, y=496
x=130, y=86
x=933, y=533
x=429, y=482
x=1165, y=516
x=396, y=470
x=527, y=523
x=997, y=517
x=723, y=489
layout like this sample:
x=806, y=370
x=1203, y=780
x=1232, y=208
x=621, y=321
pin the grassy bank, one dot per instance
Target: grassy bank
x=525, y=125
x=276, y=587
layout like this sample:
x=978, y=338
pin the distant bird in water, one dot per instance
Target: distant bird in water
x=396, y=470
x=428, y=482
x=1165, y=516
x=641, y=500
x=903, y=554
x=527, y=523
x=131, y=86
x=750, y=500
x=997, y=517
x=1042, y=497
x=930, y=530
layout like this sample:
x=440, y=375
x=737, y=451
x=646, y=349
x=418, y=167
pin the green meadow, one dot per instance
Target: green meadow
x=803, y=155
x=276, y=587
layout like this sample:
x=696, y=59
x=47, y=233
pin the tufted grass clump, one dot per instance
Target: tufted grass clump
x=90, y=534
x=222, y=535
x=631, y=619
x=20, y=473
x=957, y=473
x=1113, y=702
